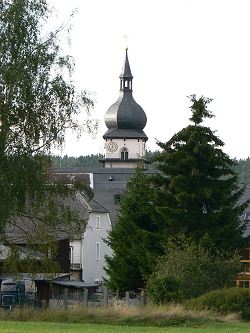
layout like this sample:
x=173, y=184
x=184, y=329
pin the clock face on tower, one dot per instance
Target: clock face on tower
x=112, y=146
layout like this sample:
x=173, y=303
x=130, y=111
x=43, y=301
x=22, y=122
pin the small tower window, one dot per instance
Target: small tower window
x=98, y=222
x=98, y=251
x=124, y=154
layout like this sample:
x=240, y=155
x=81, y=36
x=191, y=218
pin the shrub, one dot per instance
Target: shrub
x=194, y=268
x=223, y=301
x=164, y=290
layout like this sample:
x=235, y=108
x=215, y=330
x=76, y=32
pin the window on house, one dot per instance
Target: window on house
x=98, y=222
x=247, y=216
x=245, y=254
x=71, y=254
x=98, y=251
x=244, y=284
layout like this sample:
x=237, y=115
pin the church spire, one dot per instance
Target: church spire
x=126, y=76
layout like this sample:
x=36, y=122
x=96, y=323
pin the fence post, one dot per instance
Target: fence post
x=85, y=297
x=65, y=298
x=105, y=296
x=143, y=298
x=127, y=297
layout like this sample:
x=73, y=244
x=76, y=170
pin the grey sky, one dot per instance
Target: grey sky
x=176, y=48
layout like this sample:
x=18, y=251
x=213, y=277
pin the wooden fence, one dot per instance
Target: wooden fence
x=83, y=298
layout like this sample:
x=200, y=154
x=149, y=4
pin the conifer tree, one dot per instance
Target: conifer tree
x=134, y=238
x=196, y=191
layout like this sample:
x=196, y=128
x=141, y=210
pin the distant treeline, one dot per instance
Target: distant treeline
x=83, y=161
x=243, y=169
x=242, y=166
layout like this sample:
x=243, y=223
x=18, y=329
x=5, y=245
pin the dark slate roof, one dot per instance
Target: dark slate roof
x=126, y=71
x=21, y=227
x=115, y=133
x=125, y=113
x=67, y=178
x=96, y=207
x=107, y=183
x=36, y=277
x=76, y=284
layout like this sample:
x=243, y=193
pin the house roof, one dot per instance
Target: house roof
x=36, y=277
x=107, y=183
x=76, y=284
x=20, y=228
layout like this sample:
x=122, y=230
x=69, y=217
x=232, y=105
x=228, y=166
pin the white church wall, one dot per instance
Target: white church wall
x=121, y=164
x=135, y=147
x=93, y=247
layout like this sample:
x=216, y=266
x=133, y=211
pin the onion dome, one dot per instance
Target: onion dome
x=125, y=118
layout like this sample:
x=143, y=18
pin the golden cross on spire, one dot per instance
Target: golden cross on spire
x=126, y=40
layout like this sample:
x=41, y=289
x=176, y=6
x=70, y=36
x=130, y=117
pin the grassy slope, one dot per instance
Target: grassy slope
x=36, y=327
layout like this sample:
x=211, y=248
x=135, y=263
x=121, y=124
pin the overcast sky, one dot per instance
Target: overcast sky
x=176, y=48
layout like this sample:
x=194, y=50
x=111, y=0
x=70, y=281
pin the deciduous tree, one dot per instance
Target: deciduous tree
x=38, y=102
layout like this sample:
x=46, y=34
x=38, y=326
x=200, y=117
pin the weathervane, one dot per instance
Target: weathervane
x=126, y=40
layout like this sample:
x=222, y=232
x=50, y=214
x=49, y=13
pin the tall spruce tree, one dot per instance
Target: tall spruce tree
x=134, y=238
x=196, y=191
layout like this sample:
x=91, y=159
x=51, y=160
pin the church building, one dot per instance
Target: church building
x=124, y=146
x=125, y=139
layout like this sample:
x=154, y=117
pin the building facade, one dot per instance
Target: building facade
x=124, y=145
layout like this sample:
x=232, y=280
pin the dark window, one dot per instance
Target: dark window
x=117, y=198
x=247, y=216
x=124, y=154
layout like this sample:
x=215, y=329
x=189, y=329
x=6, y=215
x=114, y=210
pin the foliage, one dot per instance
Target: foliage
x=196, y=191
x=38, y=101
x=81, y=161
x=194, y=269
x=164, y=289
x=223, y=301
x=134, y=238
x=150, y=315
x=242, y=167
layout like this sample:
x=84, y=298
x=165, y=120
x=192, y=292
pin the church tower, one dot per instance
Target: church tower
x=125, y=119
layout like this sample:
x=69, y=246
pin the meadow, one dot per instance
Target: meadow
x=172, y=318
x=44, y=327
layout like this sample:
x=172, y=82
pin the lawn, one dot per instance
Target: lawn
x=42, y=327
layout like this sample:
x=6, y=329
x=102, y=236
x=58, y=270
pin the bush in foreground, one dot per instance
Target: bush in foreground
x=188, y=270
x=164, y=290
x=223, y=301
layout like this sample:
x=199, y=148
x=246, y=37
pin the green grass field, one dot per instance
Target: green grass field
x=42, y=327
